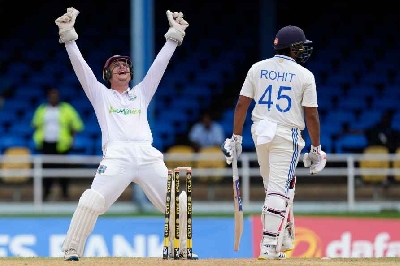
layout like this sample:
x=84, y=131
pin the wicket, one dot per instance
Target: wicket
x=173, y=181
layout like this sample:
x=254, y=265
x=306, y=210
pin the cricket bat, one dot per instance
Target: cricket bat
x=238, y=208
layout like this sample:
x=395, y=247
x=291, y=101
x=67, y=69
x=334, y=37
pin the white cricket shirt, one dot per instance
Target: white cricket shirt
x=280, y=88
x=122, y=117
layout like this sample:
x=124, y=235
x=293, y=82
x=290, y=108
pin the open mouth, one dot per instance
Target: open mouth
x=122, y=72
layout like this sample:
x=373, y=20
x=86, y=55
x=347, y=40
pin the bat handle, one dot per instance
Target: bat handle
x=234, y=166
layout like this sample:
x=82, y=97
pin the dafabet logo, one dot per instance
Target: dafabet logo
x=336, y=237
x=307, y=244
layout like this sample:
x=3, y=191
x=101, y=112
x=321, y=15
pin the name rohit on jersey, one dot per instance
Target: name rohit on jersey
x=276, y=75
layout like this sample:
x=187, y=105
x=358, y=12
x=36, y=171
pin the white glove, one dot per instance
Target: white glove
x=65, y=25
x=177, y=27
x=229, y=144
x=316, y=160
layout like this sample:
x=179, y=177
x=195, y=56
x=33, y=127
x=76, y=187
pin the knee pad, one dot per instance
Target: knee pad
x=274, y=204
x=93, y=201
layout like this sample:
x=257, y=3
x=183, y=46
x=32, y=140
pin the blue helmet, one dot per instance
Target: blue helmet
x=294, y=38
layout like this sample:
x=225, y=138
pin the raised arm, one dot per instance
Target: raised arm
x=68, y=36
x=174, y=38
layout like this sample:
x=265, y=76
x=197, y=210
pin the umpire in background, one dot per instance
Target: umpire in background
x=55, y=125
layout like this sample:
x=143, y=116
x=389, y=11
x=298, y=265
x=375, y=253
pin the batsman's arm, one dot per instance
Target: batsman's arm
x=313, y=126
x=242, y=105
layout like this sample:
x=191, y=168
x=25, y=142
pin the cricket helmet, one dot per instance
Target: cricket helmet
x=107, y=73
x=294, y=38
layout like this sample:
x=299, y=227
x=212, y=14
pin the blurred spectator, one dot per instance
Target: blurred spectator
x=55, y=125
x=206, y=133
x=383, y=134
x=346, y=130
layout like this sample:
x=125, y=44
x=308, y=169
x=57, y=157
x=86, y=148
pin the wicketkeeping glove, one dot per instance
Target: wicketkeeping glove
x=65, y=25
x=315, y=160
x=177, y=27
x=229, y=144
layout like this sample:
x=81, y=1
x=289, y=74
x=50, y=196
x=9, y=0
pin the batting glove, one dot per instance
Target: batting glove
x=66, y=24
x=229, y=144
x=177, y=27
x=315, y=160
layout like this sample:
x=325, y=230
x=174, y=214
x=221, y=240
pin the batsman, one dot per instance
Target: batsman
x=121, y=111
x=285, y=98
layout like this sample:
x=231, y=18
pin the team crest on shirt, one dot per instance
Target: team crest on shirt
x=101, y=169
x=131, y=96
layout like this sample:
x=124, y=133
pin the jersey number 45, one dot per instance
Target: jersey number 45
x=283, y=99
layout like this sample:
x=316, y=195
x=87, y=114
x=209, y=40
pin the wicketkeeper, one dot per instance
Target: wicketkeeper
x=121, y=110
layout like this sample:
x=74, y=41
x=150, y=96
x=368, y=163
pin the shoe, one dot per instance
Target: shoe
x=182, y=255
x=71, y=255
x=268, y=252
x=287, y=243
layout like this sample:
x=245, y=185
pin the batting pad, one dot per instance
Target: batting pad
x=182, y=219
x=272, y=216
x=172, y=220
x=90, y=206
x=290, y=215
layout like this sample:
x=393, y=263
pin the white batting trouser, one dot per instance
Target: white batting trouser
x=278, y=160
x=123, y=163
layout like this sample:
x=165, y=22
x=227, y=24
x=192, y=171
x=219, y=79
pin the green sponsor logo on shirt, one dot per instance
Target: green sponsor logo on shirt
x=124, y=111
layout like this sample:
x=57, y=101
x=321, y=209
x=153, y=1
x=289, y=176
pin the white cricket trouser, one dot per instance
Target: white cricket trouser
x=278, y=161
x=127, y=162
x=123, y=163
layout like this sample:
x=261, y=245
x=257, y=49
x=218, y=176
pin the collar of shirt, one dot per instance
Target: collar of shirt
x=284, y=57
x=123, y=94
x=125, y=91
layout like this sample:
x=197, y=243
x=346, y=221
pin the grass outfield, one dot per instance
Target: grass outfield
x=216, y=262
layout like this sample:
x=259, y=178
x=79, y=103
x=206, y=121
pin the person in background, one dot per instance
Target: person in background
x=55, y=123
x=206, y=132
x=382, y=133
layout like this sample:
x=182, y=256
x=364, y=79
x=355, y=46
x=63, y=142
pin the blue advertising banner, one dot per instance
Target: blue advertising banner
x=120, y=237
